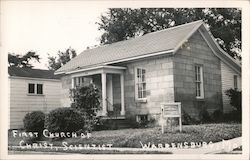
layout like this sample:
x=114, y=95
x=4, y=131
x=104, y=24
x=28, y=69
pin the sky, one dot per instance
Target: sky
x=49, y=26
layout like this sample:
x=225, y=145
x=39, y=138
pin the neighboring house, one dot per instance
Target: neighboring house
x=32, y=90
x=180, y=64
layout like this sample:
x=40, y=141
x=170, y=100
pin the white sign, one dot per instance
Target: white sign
x=170, y=110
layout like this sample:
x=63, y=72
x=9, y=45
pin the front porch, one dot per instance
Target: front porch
x=110, y=81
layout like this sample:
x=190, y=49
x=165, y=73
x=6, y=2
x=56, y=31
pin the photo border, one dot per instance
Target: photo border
x=4, y=99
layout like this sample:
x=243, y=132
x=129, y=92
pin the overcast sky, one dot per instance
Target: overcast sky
x=46, y=27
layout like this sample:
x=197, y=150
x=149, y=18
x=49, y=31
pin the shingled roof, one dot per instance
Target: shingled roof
x=163, y=40
x=167, y=40
x=32, y=73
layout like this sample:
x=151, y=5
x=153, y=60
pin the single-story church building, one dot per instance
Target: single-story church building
x=31, y=90
x=179, y=64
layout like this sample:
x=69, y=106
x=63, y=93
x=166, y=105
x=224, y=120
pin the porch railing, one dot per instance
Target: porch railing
x=116, y=109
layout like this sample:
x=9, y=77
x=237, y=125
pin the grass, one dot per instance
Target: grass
x=133, y=138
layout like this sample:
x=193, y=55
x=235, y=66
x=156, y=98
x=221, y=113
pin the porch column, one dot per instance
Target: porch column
x=104, y=95
x=122, y=94
x=72, y=82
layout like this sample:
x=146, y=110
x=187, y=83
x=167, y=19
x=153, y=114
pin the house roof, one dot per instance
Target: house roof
x=32, y=73
x=164, y=41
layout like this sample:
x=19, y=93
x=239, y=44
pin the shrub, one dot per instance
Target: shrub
x=235, y=98
x=204, y=116
x=132, y=122
x=232, y=117
x=86, y=99
x=187, y=119
x=34, y=121
x=235, y=101
x=217, y=115
x=65, y=120
x=144, y=123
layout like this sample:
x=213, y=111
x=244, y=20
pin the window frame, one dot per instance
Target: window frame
x=199, y=81
x=35, y=89
x=140, y=80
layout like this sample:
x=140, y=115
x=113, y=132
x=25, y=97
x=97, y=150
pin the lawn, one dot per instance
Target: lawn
x=133, y=138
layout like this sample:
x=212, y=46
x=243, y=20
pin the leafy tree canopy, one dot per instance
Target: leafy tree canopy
x=22, y=61
x=123, y=23
x=55, y=62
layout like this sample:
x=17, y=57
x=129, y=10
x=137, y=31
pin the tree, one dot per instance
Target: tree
x=123, y=23
x=20, y=61
x=55, y=62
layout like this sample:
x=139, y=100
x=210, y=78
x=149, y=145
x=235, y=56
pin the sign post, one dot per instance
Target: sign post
x=171, y=110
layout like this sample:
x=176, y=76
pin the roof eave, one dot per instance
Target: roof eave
x=117, y=61
x=218, y=51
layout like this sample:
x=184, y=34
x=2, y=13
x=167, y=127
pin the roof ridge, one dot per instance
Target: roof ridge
x=174, y=27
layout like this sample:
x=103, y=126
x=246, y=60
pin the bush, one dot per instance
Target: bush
x=132, y=122
x=232, y=117
x=86, y=99
x=65, y=120
x=235, y=101
x=204, y=116
x=187, y=119
x=217, y=115
x=235, y=98
x=142, y=123
x=34, y=121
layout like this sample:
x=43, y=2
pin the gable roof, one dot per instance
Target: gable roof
x=32, y=73
x=164, y=41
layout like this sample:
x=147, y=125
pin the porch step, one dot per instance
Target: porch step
x=118, y=123
x=122, y=123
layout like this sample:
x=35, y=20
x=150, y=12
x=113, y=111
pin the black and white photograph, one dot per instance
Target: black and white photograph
x=110, y=79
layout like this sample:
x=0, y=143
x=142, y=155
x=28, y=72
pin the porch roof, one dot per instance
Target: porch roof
x=161, y=41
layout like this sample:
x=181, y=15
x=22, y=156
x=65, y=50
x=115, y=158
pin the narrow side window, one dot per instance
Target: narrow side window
x=235, y=82
x=39, y=89
x=199, y=89
x=31, y=88
x=140, y=83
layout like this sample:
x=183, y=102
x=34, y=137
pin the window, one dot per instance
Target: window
x=142, y=118
x=140, y=83
x=235, y=82
x=199, y=81
x=31, y=88
x=79, y=81
x=35, y=88
x=39, y=89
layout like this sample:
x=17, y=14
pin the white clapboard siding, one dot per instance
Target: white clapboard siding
x=227, y=77
x=21, y=102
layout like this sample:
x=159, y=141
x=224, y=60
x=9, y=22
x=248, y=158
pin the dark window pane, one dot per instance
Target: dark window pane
x=31, y=88
x=39, y=89
x=235, y=82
